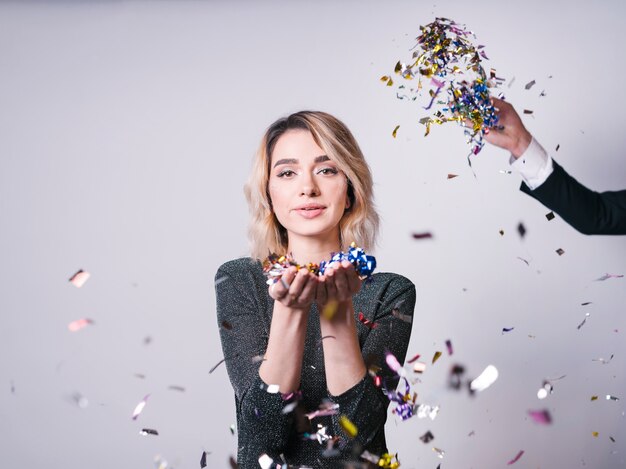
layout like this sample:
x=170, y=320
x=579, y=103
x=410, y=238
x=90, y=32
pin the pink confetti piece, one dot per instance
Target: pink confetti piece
x=516, y=458
x=140, y=406
x=325, y=409
x=394, y=364
x=77, y=325
x=540, y=416
x=449, y=346
x=79, y=278
x=608, y=276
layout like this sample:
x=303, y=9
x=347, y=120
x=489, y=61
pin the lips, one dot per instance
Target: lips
x=310, y=210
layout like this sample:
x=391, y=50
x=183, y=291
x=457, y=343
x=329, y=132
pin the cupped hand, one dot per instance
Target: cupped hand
x=510, y=132
x=296, y=289
x=338, y=284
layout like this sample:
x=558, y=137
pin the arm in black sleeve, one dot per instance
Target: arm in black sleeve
x=587, y=211
x=262, y=426
x=365, y=404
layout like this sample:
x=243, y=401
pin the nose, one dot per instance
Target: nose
x=309, y=186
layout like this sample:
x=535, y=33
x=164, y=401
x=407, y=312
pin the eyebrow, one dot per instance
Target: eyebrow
x=318, y=159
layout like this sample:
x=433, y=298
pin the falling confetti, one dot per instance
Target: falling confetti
x=604, y=361
x=77, y=325
x=448, y=67
x=348, y=426
x=427, y=437
x=608, y=276
x=80, y=400
x=426, y=235
x=583, y=321
x=529, y=85
x=540, y=416
x=449, y=346
x=174, y=387
x=265, y=461
x=595, y=434
x=611, y=398
x=452, y=176
x=436, y=356
x=140, y=406
x=507, y=329
x=148, y=431
x=395, y=131
x=273, y=388
x=545, y=389
x=203, y=459
x=366, y=322
x=79, y=278
x=550, y=216
x=521, y=229
x=440, y=452
x=394, y=364
x=485, y=379
x=326, y=408
x=516, y=458
x=560, y=252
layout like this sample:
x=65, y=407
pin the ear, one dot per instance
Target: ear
x=347, y=202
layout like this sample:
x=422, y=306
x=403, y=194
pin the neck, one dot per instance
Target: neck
x=305, y=249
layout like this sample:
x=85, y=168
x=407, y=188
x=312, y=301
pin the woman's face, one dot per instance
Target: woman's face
x=309, y=193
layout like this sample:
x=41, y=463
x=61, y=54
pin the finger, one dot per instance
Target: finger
x=342, y=284
x=296, y=287
x=309, y=289
x=279, y=289
x=321, y=297
x=331, y=287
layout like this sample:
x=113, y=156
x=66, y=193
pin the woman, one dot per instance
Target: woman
x=310, y=194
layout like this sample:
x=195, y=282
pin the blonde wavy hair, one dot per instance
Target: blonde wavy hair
x=360, y=221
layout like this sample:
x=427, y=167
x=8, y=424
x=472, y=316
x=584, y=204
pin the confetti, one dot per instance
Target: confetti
x=611, y=398
x=419, y=367
x=80, y=400
x=540, y=416
x=395, y=131
x=274, y=266
x=425, y=410
x=449, y=346
x=604, y=361
x=326, y=408
x=524, y=260
x=521, y=229
x=436, y=357
x=507, y=329
x=586, y=303
x=402, y=317
x=529, y=85
x=557, y=147
x=265, y=461
x=159, y=462
x=413, y=358
x=174, y=387
x=203, y=459
x=232, y=428
x=527, y=111
x=366, y=322
x=348, y=426
x=584, y=321
x=79, y=278
x=77, y=325
x=216, y=365
x=394, y=364
x=608, y=276
x=485, y=379
x=440, y=452
x=594, y=398
x=448, y=67
x=427, y=437
x=560, y=252
x=595, y=434
x=273, y=388
x=501, y=232
x=148, y=431
x=550, y=216
x=140, y=406
x=516, y=458
x=505, y=171
x=226, y=325
x=330, y=309
x=546, y=388
x=425, y=235
x=452, y=176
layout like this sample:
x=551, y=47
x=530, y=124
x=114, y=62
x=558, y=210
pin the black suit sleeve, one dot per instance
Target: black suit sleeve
x=587, y=211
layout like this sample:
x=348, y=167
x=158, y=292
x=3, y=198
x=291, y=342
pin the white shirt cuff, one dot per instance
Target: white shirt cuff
x=534, y=165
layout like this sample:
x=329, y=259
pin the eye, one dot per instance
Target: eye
x=288, y=173
x=328, y=171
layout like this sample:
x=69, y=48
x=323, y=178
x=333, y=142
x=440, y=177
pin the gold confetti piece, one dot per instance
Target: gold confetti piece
x=330, y=309
x=560, y=252
x=77, y=325
x=395, y=131
x=390, y=82
x=595, y=434
x=79, y=278
x=384, y=78
x=348, y=426
x=594, y=398
x=436, y=356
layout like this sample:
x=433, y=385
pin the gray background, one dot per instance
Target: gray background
x=126, y=134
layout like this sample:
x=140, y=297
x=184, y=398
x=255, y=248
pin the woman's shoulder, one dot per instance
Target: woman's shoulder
x=240, y=268
x=391, y=279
